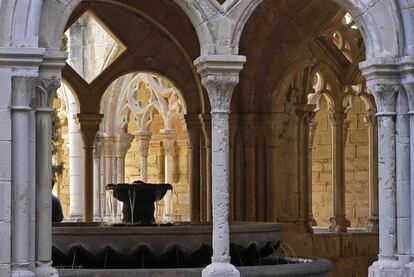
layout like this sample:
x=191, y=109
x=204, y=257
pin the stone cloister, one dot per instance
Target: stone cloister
x=292, y=111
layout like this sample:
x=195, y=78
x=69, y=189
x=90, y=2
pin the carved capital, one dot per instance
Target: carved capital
x=143, y=139
x=169, y=142
x=337, y=116
x=89, y=126
x=385, y=97
x=122, y=144
x=219, y=75
x=45, y=92
x=22, y=92
x=305, y=113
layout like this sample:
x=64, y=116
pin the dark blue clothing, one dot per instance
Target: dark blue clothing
x=57, y=214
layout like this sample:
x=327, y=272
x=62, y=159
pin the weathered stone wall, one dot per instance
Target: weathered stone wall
x=322, y=167
x=356, y=166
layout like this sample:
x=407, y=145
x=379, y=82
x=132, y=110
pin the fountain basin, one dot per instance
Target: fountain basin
x=302, y=268
x=190, y=237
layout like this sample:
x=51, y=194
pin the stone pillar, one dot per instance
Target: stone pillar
x=108, y=156
x=402, y=127
x=233, y=119
x=206, y=186
x=219, y=75
x=312, y=129
x=250, y=197
x=45, y=93
x=75, y=171
x=169, y=138
x=122, y=145
x=89, y=126
x=97, y=186
x=193, y=124
x=371, y=121
x=20, y=114
x=144, y=138
x=409, y=88
x=339, y=223
x=385, y=98
x=306, y=114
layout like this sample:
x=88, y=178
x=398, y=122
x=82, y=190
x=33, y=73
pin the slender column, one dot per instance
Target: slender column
x=233, y=119
x=144, y=138
x=108, y=155
x=20, y=110
x=409, y=88
x=169, y=150
x=219, y=75
x=338, y=220
x=402, y=127
x=122, y=145
x=97, y=214
x=206, y=123
x=371, y=122
x=89, y=125
x=32, y=187
x=306, y=114
x=385, y=97
x=312, y=128
x=46, y=90
x=250, y=167
x=75, y=170
x=194, y=131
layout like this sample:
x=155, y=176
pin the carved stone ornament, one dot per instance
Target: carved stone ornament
x=45, y=92
x=385, y=97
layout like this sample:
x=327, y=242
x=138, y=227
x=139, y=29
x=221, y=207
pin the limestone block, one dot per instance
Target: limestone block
x=362, y=175
x=5, y=201
x=5, y=242
x=350, y=151
x=5, y=124
x=5, y=161
x=5, y=81
x=358, y=136
x=323, y=152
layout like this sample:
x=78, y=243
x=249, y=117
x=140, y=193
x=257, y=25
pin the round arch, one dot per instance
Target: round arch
x=379, y=27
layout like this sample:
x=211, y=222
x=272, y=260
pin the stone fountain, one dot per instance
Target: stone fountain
x=138, y=199
x=141, y=248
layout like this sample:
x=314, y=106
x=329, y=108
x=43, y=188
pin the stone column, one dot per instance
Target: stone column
x=89, y=125
x=20, y=111
x=338, y=220
x=385, y=98
x=250, y=198
x=402, y=127
x=193, y=124
x=45, y=93
x=371, y=122
x=306, y=114
x=75, y=171
x=144, y=138
x=312, y=129
x=206, y=186
x=409, y=88
x=97, y=187
x=219, y=75
x=169, y=138
x=122, y=145
x=108, y=156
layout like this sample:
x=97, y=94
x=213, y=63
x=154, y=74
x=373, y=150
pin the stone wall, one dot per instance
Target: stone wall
x=356, y=166
x=322, y=167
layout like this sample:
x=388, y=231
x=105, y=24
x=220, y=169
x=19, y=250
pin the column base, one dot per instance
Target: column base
x=74, y=218
x=22, y=272
x=45, y=270
x=338, y=224
x=409, y=270
x=373, y=224
x=386, y=268
x=220, y=270
x=97, y=218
